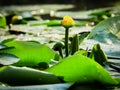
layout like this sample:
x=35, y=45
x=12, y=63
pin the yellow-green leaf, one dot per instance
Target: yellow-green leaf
x=79, y=68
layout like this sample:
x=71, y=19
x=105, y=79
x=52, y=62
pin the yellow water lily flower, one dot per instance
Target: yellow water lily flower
x=67, y=21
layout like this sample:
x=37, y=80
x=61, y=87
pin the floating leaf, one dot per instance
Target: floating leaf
x=29, y=52
x=79, y=68
x=76, y=14
x=107, y=31
x=52, y=23
x=7, y=59
x=7, y=40
x=2, y=21
x=63, y=86
x=56, y=23
x=2, y=46
x=46, y=22
x=26, y=76
x=16, y=32
x=100, y=15
x=27, y=16
x=18, y=20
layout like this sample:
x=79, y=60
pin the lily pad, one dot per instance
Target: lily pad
x=7, y=59
x=81, y=69
x=61, y=86
x=56, y=23
x=107, y=31
x=31, y=53
x=27, y=16
x=26, y=76
x=2, y=46
x=2, y=21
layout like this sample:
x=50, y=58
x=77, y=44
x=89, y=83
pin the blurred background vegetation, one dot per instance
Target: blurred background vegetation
x=85, y=4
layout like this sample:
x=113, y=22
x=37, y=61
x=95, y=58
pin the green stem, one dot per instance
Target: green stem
x=66, y=41
x=60, y=52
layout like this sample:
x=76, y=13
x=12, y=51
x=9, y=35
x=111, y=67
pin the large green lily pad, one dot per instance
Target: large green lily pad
x=79, y=68
x=31, y=53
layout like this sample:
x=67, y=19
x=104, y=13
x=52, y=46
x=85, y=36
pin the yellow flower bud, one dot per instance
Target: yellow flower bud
x=67, y=21
x=17, y=18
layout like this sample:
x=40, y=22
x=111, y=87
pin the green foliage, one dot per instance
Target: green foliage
x=107, y=31
x=27, y=16
x=29, y=52
x=74, y=44
x=2, y=21
x=7, y=40
x=25, y=76
x=100, y=15
x=58, y=23
x=47, y=23
x=98, y=55
x=58, y=47
x=76, y=41
x=20, y=17
x=78, y=68
x=82, y=52
x=52, y=23
x=22, y=21
x=83, y=36
x=7, y=59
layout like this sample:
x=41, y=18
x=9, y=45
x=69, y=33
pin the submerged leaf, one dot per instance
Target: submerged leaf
x=30, y=53
x=7, y=59
x=26, y=76
x=79, y=68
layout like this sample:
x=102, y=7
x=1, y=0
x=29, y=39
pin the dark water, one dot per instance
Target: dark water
x=79, y=4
